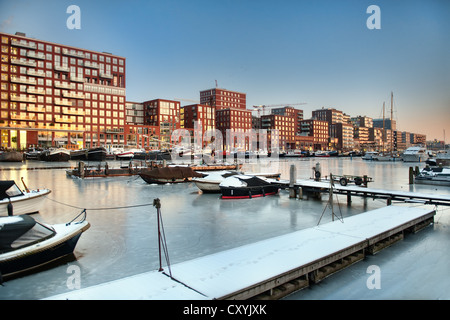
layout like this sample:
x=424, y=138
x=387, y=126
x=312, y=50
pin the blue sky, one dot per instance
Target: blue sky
x=319, y=52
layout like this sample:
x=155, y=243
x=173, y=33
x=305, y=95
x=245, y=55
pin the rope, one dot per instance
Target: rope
x=105, y=208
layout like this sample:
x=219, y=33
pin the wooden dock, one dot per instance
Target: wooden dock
x=272, y=268
x=313, y=187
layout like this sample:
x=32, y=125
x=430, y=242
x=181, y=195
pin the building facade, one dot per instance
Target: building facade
x=56, y=95
x=223, y=98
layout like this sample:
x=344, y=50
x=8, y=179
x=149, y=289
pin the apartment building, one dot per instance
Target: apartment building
x=319, y=130
x=236, y=122
x=54, y=95
x=165, y=116
x=285, y=124
x=223, y=98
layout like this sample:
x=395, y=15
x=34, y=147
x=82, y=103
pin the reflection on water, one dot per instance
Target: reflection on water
x=122, y=240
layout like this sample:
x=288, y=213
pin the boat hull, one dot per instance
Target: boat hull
x=208, y=186
x=248, y=192
x=42, y=253
x=30, y=202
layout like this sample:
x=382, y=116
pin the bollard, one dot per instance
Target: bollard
x=292, y=179
x=411, y=175
x=81, y=168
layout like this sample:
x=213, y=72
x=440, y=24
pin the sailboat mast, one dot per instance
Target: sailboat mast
x=392, y=127
x=384, y=132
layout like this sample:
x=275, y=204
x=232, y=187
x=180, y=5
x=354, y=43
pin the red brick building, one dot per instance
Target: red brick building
x=164, y=115
x=285, y=124
x=223, y=98
x=318, y=129
x=54, y=94
x=237, y=121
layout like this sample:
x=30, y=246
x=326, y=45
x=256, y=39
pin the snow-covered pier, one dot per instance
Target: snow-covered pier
x=272, y=268
x=310, y=186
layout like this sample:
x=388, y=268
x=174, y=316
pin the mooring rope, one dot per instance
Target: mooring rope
x=105, y=208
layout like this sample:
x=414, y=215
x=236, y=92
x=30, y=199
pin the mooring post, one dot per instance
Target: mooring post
x=292, y=179
x=157, y=205
x=349, y=198
x=81, y=168
x=411, y=175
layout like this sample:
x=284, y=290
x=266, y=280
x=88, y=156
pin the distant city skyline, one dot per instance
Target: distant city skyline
x=318, y=52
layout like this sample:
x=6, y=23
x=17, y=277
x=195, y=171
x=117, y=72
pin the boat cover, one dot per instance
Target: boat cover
x=20, y=231
x=171, y=173
x=9, y=189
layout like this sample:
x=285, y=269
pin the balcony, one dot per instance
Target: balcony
x=23, y=62
x=63, y=102
x=39, y=73
x=73, y=53
x=23, y=44
x=68, y=94
x=73, y=112
x=106, y=75
x=64, y=85
x=62, y=68
x=22, y=99
x=76, y=79
x=35, y=109
x=63, y=119
x=35, y=91
x=22, y=117
x=36, y=55
x=93, y=65
x=23, y=80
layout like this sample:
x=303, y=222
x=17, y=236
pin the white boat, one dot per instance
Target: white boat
x=26, y=202
x=443, y=158
x=210, y=181
x=27, y=244
x=369, y=155
x=434, y=175
x=386, y=157
x=415, y=154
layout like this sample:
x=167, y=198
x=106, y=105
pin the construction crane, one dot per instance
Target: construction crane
x=189, y=100
x=263, y=107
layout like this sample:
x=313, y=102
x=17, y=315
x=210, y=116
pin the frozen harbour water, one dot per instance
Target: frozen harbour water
x=123, y=242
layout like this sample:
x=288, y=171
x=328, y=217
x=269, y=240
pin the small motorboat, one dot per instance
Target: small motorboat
x=28, y=201
x=55, y=155
x=247, y=186
x=169, y=175
x=26, y=244
x=434, y=176
x=11, y=156
x=210, y=181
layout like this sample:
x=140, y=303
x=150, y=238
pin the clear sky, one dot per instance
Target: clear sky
x=277, y=52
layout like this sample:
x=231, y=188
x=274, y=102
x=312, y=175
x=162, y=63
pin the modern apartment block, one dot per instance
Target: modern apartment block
x=319, y=130
x=54, y=94
x=285, y=124
x=165, y=116
x=223, y=98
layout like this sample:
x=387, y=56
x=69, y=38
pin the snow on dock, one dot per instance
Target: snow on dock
x=263, y=269
x=313, y=186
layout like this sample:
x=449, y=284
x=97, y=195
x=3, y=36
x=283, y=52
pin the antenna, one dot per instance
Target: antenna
x=216, y=83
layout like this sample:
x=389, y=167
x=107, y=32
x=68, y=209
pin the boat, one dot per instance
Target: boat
x=292, y=154
x=210, y=181
x=26, y=202
x=443, y=158
x=388, y=156
x=247, y=187
x=80, y=154
x=32, y=154
x=169, y=175
x=415, y=154
x=26, y=244
x=96, y=154
x=322, y=154
x=55, y=155
x=434, y=175
x=370, y=155
x=11, y=156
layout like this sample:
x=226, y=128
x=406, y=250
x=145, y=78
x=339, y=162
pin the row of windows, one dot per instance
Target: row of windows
x=58, y=49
